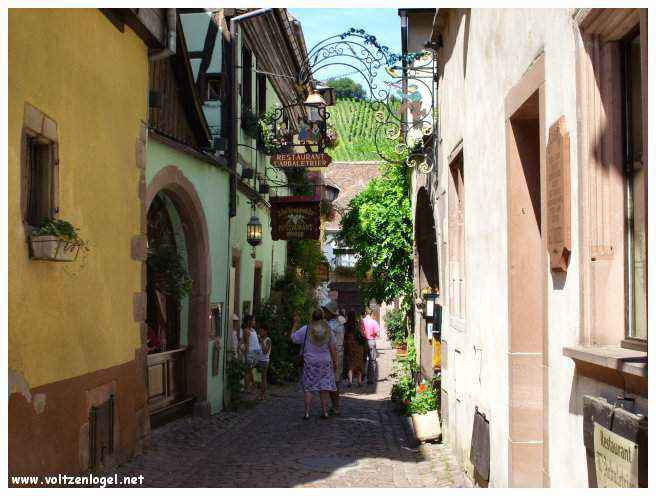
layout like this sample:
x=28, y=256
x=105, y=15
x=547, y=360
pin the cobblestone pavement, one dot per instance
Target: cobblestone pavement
x=270, y=445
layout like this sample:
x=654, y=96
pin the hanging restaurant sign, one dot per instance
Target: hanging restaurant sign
x=300, y=160
x=295, y=217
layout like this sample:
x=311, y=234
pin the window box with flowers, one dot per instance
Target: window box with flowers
x=56, y=240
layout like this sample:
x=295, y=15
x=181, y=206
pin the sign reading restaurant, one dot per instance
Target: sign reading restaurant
x=300, y=160
x=294, y=218
x=616, y=459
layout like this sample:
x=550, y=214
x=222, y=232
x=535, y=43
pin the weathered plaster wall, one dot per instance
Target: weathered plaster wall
x=211, y=184
x=72, y=330
x=503, y=43
x=68, y=319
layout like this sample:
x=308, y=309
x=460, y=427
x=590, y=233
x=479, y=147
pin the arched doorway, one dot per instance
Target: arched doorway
x=177, y=364
x=428, y=278
x=426, y=241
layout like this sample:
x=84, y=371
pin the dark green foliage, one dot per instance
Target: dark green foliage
x=305, y=254
x=404, y=388
x=266, y=135
x=396, y=327
x=298, y=182
x=347, y=88
x=165, y=261
x=62, y=229
x=290, y=294
x=378, y=225
x=235, y=372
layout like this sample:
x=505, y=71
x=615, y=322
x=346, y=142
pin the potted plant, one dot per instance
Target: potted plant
x=171, y=276
x=56, y=240
x=425, y=418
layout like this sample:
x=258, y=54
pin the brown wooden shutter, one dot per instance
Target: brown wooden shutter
x=55, y=180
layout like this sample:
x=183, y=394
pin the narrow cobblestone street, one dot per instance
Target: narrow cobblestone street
x=270, y=445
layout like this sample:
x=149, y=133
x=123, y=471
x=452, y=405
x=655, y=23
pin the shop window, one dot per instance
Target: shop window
x=634, y=183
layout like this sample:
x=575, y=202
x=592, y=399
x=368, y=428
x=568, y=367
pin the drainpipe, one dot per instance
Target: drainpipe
x=171, y=23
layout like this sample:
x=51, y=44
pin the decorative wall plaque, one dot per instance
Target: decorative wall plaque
x=559, y=239
x=300, y=160
x=294, y=218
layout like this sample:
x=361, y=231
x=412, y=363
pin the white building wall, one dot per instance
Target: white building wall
x=485, y=54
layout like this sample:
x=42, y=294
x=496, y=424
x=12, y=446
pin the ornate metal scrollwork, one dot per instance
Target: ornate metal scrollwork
x=401, y=93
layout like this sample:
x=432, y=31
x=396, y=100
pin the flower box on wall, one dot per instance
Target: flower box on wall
x=53, y=248
x=427, y=426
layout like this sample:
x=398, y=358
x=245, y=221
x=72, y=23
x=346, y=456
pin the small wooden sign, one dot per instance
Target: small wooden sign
x=295, y=219
x=616, y=459
x=300, y=160
x=559, y=238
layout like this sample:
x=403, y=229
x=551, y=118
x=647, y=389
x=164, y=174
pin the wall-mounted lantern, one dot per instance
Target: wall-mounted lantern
x=254, y=231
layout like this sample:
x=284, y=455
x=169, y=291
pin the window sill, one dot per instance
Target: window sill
x=622, y=360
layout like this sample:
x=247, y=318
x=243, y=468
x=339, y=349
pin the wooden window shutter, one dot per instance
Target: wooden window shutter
x=602, y=191
x=55, y=179
x=261, y=95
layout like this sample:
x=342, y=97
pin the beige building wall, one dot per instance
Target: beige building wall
x=486, y=54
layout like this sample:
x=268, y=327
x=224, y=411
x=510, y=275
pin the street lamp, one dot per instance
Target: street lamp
x=315, y=99
x=315, y=104
x=254, y=231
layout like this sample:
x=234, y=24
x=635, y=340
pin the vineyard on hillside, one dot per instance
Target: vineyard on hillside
x=355, y=121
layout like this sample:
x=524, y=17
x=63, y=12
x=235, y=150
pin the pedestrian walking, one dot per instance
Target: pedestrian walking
x=263, y=359
x=319, y=360
x=354, y=345
x=370, y=330
x=251, y=350
x=331, y=313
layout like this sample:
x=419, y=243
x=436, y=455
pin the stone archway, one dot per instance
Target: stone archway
x=426, y=240
x=182, y=193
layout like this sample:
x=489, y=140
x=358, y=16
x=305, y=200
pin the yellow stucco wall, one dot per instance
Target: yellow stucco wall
x=68, y=319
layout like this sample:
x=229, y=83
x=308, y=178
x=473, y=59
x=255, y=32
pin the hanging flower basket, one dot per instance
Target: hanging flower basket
x=53, y=248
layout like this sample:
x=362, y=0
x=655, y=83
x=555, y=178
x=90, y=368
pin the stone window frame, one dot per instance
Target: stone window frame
x=456, y=160
x=598, y=53
x=38, y=125
x=603, y=353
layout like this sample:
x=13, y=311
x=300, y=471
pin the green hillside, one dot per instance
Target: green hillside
x=355, y=123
